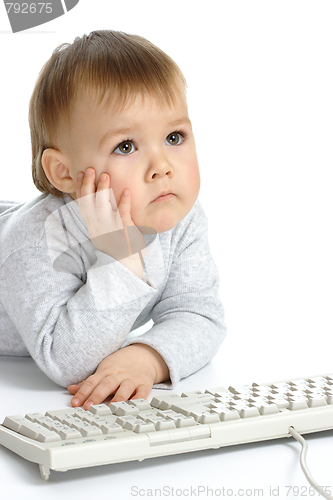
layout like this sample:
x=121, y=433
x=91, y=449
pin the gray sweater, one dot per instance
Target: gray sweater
x=69, y=305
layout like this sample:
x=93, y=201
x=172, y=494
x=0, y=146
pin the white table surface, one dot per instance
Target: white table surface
x=258, y=470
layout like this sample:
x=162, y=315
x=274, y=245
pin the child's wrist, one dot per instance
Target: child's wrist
x=161, y=370
x=135, y=264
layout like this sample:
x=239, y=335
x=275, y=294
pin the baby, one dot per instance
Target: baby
x=118, y=236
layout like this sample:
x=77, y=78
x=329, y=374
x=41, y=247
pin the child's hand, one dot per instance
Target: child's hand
x=128, y=373
x=106, y=223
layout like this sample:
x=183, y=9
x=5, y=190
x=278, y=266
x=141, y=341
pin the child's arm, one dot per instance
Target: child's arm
x=70, y=303
x=128, y=373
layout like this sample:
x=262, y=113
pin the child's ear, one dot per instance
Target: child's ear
x=56, y=170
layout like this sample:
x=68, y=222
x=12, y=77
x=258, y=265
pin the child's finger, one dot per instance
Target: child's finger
x=86, y=388
x=125, y=391
x=79, y=184
x=102, y=197
x=73, y=388
x=113, y=200
x=107, y=386
x=142, y=392
x=87, y=193
x=88, y=184
x=103, y=182
x=124, y=208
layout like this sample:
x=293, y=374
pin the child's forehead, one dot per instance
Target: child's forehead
x=117, y=100
x=92, y=104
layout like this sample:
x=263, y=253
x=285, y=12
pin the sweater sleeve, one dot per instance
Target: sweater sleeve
x=70, y=321
x=189, y=318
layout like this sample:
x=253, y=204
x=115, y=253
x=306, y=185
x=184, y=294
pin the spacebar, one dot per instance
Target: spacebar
x=180, y=434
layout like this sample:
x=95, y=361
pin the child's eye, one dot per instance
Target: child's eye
x=175, y=138
x=124, y=148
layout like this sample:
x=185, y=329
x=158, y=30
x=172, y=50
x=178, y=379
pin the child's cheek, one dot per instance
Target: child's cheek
x=193, y=178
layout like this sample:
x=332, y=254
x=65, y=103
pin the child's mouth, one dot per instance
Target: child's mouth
x=163, y=197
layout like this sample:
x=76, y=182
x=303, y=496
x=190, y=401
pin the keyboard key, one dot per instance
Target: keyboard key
x=268, y=409
x=111, y=428
x=100, y=410
x=140, y=404
x=279, y=402
x=239, y=405
x=192, y=394
x=14, y=422
x=54, y=426
x=225, y=398
x=165, y=401
x=316, y=400
x=66, y=432
x=34, y=416
x=207, y=418
x=166, y=413
x=87, y=417
x=122, y=408
x=183, y=402
x=38, y=432
x=318, y=380
x=299, y=383
x=65, y=417
x=152, y=419
x=184, y=421
x=80, y=411
x=179, y=419
x=255, y=400
x=202, y=414
x=297, y=404
x=161, y=423
x=192, y=408
x=245, y=390
x=217, y=391
x=68, y=420
x=329, y=397
x=226, y=415
x=315, y=390
x=261, y=387
x=281, y=387
x=218, y=407
x=138, y=425
x=164, y=425
x=85, y=428
x=47, y=422
x=124, y=419
x=58, y=414
x=248, y=412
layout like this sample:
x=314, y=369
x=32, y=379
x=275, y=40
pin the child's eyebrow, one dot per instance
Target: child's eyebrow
x=115, y=132
x=127, y=130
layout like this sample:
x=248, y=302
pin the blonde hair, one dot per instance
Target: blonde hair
x=112, y=65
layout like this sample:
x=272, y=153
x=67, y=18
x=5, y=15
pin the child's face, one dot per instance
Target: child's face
x=146, y=148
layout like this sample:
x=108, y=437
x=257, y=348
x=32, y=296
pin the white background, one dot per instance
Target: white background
x=260, y=79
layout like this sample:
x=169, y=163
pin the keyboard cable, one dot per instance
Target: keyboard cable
x=306, y=471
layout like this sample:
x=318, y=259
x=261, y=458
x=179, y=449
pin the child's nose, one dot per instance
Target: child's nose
x=159, y=165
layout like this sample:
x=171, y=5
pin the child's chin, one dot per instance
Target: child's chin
x=166, y=223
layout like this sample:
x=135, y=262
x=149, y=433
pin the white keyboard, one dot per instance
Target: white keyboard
x=73, y=438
